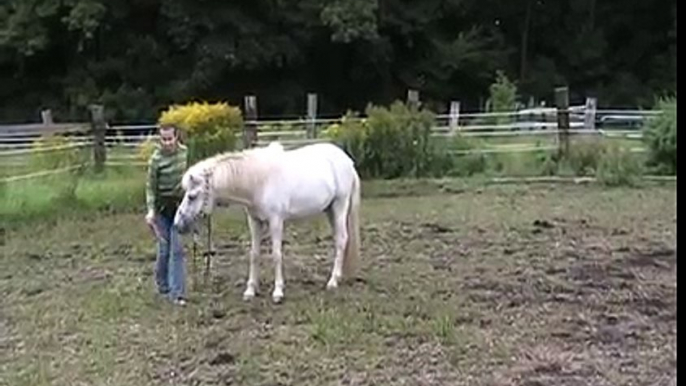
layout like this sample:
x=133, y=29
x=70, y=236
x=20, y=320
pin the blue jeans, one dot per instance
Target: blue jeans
x=170, y=272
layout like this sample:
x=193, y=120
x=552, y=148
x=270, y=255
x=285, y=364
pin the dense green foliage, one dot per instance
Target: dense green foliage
x=395, y=142
x=618, y=166
x=585, y=155
x=503, y=98
x=139, y=57
x=660, y=135
x=465, y=161
x=392, y=142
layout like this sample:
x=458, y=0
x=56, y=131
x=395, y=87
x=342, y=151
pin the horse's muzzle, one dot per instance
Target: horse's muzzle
x=181, y=226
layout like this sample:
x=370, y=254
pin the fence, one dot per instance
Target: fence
x=116, y=145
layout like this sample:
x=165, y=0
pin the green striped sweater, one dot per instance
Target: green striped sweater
x=163, y=191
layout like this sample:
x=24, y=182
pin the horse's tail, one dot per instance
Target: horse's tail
x=352, y=247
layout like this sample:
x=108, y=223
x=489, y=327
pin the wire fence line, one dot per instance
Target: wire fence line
x=121, y=142
x=509, y=129
x=43, y=173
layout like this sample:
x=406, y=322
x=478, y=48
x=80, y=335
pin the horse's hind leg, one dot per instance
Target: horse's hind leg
x=256, y=238
x=338, y=221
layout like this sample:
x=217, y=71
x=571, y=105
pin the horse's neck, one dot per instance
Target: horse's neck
x=239, y=180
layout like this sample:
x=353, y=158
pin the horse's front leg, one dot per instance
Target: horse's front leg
x=255, y=244
x=276, y=230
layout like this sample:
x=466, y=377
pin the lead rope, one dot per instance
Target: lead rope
x=207, y=253
x=210, y=249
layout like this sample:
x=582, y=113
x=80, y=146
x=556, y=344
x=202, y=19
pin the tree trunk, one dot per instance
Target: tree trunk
x=525, y=40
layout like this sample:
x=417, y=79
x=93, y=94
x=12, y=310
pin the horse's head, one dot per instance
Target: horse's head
x=197, y=199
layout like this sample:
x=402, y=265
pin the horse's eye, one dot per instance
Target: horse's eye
x=192, y=197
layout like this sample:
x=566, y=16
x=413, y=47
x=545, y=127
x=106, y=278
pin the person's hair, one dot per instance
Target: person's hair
x=177, y=133
x=168, y=127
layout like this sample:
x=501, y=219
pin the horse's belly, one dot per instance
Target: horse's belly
x=304, y=203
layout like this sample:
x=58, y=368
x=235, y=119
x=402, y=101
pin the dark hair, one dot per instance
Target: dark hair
x=177, y=133
x=167, y=127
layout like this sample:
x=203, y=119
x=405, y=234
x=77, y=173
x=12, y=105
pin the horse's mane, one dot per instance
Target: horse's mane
x=229, y=156
x=243, y=168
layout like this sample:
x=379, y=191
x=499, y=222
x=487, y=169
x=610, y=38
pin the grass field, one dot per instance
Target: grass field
x=50, y=197
x=497, y=285
x=123, y=182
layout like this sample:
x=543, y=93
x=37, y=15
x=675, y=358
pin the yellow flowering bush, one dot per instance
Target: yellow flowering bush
x=351, y=126
x=207, y=128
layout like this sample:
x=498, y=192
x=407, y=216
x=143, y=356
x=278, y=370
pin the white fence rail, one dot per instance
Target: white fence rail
x=19, y=141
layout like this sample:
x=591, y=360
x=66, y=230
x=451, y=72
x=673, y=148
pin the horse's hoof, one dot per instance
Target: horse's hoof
x=332, y=284
x=248, y=295
x=277, y=297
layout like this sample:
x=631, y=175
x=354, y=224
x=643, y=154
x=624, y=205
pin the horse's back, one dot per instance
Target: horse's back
x=322, y=159
x=323, y=150
x=310, y=177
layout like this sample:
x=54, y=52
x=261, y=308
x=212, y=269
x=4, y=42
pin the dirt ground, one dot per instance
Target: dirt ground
x=501, y=285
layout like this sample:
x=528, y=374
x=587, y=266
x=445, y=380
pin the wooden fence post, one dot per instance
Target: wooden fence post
x=413, y=99
x=311, y=116
x=250, y=129
x=46, y=117
x=589, y=113
x=562, y=104
x=99, y=128
x=454, y=116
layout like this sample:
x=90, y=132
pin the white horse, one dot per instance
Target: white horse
x=274, y=185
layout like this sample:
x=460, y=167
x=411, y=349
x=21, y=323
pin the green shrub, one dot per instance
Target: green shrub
x=609, y=161
x=440, y=162
x=619, y=166
x=465, y=165
x=398, y=140
x=547, y=163
x=502, y=99
x=584, y=155
x=539, y=162
x=660, y=138
x=351, y=135
x=391, y=142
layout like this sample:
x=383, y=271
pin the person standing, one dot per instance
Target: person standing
x=164, y=193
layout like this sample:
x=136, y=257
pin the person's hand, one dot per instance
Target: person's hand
x=150, y=218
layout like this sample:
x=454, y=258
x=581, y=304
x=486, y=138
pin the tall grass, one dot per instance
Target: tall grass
x=610, y=160
x=123, y=188
x=660, y=137
x=116, y=189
